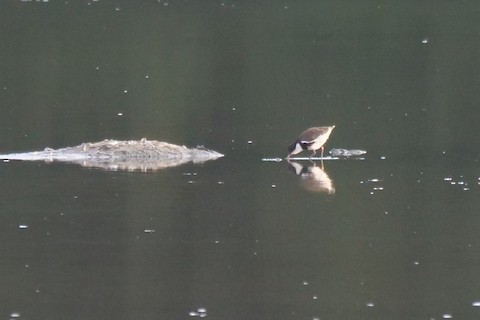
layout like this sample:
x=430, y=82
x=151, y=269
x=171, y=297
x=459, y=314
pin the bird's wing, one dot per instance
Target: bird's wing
x=307, y=143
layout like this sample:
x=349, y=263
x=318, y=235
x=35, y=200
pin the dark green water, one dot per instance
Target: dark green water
x=238, y=238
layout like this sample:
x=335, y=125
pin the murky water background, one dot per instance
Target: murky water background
x=238, y=238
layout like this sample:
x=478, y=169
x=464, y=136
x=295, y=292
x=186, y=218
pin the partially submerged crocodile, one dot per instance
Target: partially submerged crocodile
x=130, y=155
x=346, y=153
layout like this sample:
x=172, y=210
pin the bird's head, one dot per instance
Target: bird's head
x=295, y=148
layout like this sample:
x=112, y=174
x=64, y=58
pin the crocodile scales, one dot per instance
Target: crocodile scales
x=121, y=155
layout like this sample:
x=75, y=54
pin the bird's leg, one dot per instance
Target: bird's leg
x=314, y=152
x=322, y=158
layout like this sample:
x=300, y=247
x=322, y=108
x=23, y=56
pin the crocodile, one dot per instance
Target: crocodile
x=131, y=155
x=345, y=153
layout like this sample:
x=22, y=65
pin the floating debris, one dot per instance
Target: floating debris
x=375, y=188
x=318, y=158
x=200, y=312
x=272, y=159
x=335, y=154
x=374, y=180
x=462, y=182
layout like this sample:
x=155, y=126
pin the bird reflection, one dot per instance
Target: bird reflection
x=312, y=177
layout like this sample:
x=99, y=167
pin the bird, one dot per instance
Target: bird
x=310, y=139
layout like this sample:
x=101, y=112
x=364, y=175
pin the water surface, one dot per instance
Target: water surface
x=238, y=238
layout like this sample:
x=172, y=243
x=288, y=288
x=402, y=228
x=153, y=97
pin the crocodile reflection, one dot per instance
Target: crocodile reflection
x=312, y=177
x=133, y=155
